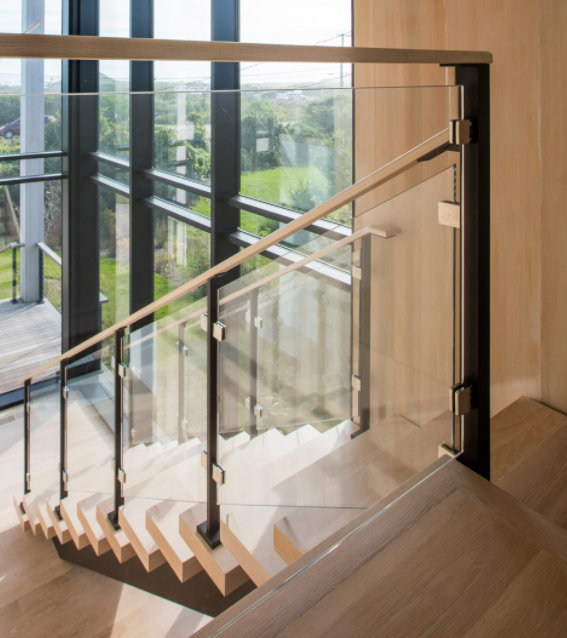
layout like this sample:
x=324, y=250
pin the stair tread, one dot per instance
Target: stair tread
x=87, y=514
x=302, y=529
x=59, y=524
x=31, y=512
x=517, y=431
x=248, y=534
x=367, y=469
x=162, y=522
x=219, y=563
x=22, y=516
x=248, y=484
x=132, y=517
x=117, y=539
x=68, y=509
x=40, y=504
x=540, y=480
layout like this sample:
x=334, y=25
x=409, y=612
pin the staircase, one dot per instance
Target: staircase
x=447, y=554
x=284, y=494
x=421, y=546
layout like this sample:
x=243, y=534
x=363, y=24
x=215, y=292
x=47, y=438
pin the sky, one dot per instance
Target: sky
x=266, y=21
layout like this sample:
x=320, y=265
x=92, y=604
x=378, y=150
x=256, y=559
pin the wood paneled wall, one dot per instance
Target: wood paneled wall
x=529, y=163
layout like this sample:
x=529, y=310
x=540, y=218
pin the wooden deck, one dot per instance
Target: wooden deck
x=30, y=335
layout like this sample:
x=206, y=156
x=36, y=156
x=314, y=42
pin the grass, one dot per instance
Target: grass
x=52, y=273
x=273, y=185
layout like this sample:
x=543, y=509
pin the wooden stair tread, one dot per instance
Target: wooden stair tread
x=40, y=504
x=266, y=446
x=360, y=473
x=250, y=481
x=68, y=509
x=87, y=514
x=22, y=516
x=302, y=529
x=247, y=532
x=117, y=539
x=219, y=563
x=31, y=513
x=132, y=517
x=162, y=522
x=540, y=480
x=59, y=524
x=517, y=431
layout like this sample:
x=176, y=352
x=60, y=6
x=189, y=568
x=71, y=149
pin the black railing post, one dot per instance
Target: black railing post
x=181, y=421
x=210, y=529
x=27, y=437
x=475, y=259
x=253, y=424
x=63, y=398
x=364, y=294
x=41, y=277
x=119, y=474
x=14, y=275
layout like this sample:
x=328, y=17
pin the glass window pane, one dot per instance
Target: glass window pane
x=114, y=247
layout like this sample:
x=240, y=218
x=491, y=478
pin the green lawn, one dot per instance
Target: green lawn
x=273, y=185
x=52, y=278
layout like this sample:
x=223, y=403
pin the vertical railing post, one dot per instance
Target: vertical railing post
x=364, y=295
x=253, y=423
x=14, y=274
x=27, y=437
x=210, y=529
x=41, y=276
x=63, y=398
x=475, y=260
x=182, y=355
x=119, y=474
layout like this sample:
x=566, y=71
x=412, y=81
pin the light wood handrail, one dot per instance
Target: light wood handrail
x=65, y=47
x=370, y=182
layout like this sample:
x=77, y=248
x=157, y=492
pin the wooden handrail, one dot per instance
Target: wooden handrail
x=400, y=165
x=65, y=47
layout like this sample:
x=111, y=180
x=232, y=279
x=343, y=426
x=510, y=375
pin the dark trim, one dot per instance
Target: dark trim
x=111, y=184
x=178, y=181
x=180, y=213
x=111, y=160
x=475, y=197
x=9, y=181
x=18, y=157
x=330, y=274
x=198, y=593
x=286, y=215
x=80, y=115
x=210, y=529
x=16, y=397
x=63, y=493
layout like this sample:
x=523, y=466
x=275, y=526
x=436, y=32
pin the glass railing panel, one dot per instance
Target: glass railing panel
x=166, y=420
x=91, y=421
x=285, y=376
x=44, y=435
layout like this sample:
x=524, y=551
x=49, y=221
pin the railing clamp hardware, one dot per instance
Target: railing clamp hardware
x=461, y=132
x=28, y=407
x=122, y=370
x=356, y=383
x=461, y=399
x=65, y=392
x=28, y=481
x=258, y=409
x=258, y=321
x=219, y=329
x=357, y=272
x=121, y=476
x=219, y=473
x=184, y=349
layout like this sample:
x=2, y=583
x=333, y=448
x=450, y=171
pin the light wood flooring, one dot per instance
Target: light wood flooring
x=45, y=597
x=31, y=336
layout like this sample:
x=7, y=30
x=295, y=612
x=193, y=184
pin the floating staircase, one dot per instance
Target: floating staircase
x=288, y=498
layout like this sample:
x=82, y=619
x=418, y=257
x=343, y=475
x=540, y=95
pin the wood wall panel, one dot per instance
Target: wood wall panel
x=509, y=29
x=554, y=210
